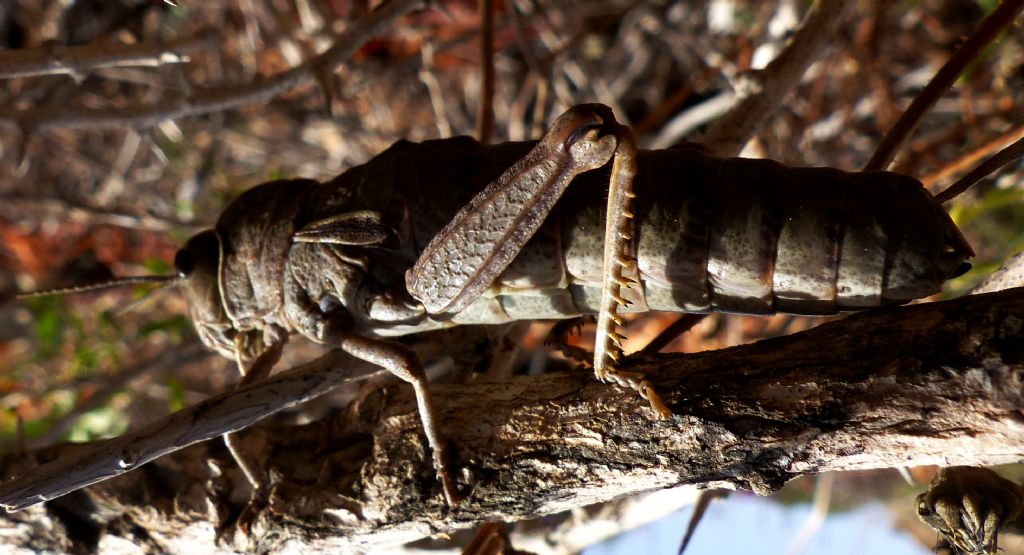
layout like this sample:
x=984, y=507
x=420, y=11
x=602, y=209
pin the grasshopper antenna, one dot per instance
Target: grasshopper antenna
x=116, y=282
x=149, y=298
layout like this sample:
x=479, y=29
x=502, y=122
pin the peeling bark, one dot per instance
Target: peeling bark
x=937, y=383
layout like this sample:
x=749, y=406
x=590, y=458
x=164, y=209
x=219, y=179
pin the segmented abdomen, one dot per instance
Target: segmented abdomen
x=754, y=236
x=735, y=235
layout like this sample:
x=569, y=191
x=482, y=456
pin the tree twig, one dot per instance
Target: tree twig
x=763, y=91
x=213, y=99
x=968, y=160
x=1001, y=18
x=983, y=170
x=485, y=109
x=227, y=412
x=55, y=59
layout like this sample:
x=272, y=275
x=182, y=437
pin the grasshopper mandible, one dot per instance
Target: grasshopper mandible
x=374, y=253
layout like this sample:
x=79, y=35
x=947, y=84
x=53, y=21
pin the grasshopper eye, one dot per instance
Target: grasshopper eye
x=183, y=263
x=922, y=509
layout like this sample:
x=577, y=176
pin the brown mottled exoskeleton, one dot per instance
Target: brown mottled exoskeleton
x=450, y=232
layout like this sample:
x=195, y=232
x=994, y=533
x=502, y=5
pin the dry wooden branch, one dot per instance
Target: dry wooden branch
x=936, y=383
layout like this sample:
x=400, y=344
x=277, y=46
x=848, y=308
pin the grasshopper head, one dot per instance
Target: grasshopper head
x=196, y=264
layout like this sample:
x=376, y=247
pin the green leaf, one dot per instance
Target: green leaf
x=157, y=267
x=48, y=315
x=176, y=397
x=987, y=6
x=32, y=428
x=86, y=360
x=102, y=422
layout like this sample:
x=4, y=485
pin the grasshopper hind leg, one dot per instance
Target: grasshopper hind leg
x=620, y=272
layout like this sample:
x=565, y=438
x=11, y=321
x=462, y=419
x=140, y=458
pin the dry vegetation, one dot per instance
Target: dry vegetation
x=107, y=168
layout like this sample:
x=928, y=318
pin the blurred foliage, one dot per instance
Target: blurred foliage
x=176, y=397
x=102, y=422
x=48, y=317
x=158, y=267
x=994, y=222
x=178, y=326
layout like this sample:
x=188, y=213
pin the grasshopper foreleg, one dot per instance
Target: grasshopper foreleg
x=403, y=363
x=483, y=238
x=335, y=327
x=258, y=370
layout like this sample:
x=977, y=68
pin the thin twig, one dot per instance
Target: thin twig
x=968, y=160
x=1001, y=18
x=682, y=124
x=660, y=113
x=426, y=75
x=213, y=99
x=822, y=500
x=227, y=412
x=681, y=325
x=986, y=168
x=81, y=60
x=699, y=509
x=763, y=91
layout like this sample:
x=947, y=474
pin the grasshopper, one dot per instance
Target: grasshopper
x=374, y=254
